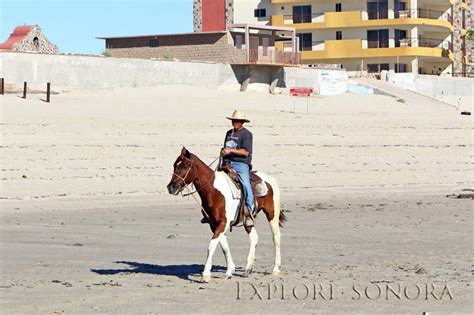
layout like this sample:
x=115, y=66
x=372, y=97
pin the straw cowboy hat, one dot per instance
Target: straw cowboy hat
x=238, y=115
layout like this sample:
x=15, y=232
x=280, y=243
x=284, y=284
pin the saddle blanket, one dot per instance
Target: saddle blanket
x=261, y=188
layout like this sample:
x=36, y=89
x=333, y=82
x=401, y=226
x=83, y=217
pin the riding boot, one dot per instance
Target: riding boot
x=249, y=218
x=205, y=218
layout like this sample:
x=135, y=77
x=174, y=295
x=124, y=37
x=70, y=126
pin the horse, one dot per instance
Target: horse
x=218, y=205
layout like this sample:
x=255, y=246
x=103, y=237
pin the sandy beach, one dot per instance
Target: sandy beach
x=87, y=225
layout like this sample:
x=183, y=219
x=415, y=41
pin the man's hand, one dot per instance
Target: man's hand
x=241, y=152
x=226, y=151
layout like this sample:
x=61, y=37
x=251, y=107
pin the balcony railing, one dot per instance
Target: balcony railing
x=374, y=15
x=274, y=56
x=404, y=42
x=424, y=42
x=424, y=14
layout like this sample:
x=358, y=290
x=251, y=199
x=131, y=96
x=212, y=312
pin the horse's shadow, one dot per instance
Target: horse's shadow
x=180, y=271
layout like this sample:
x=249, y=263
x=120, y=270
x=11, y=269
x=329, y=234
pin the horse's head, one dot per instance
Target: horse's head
x=183, y=172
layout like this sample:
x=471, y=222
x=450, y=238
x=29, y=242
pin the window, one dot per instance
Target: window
x=376, y=68
x=401, y=67
x=265, y=44
x=306, y=41
x=259, y=13
x=302, y=14
x=384, y=66
x=239, y=41
x=338, y=35
x=400, y=36
x=377, y=9
x=36, y=42
x=338, y=7
x=373, y=68
x=399, y=7
x=153, y=43
x=377, y=38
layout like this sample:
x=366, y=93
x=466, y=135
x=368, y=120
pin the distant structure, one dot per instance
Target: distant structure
x=365, y=36
x=29, y=38
x=220, y=46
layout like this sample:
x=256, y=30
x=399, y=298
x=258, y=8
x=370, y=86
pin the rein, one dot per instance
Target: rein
x=207, y=184
x=195, y=191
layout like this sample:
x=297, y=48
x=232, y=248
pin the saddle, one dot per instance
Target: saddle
x=259, y=189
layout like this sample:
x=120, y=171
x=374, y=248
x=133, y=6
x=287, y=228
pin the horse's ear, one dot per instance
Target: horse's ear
x=185, y=153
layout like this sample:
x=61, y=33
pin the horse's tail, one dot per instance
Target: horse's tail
x=277, y=202
x=282, y=218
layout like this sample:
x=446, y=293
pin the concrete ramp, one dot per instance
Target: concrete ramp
x=404, y=94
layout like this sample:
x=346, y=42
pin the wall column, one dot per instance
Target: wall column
x=391, y=9
x=415, y=65
x=247, y=42
x=414, y=8
x=415, y=37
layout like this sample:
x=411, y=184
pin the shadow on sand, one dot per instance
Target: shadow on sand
x=180, y=271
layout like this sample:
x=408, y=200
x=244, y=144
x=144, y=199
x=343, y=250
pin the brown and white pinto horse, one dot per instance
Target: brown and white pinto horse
x=220, y=207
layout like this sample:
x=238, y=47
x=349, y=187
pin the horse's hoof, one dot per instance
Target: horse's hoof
x=247, y=272
x=227, y=276
x=275, y=273
x=206, y=279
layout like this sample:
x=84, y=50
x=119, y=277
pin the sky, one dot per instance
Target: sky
x=73, y=25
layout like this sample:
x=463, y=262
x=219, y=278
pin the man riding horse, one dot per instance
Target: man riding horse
x=237, y=153
x=219, y=204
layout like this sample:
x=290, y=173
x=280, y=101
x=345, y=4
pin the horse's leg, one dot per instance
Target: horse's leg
x=275, y=227
x=228, y=257
x=272, y=211
x=216, y=237
x=253, y=236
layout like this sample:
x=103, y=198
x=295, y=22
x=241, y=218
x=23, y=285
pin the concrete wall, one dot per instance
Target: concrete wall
x=457, y=91
x=432, y=85
x=66, y=72
x=78, y=72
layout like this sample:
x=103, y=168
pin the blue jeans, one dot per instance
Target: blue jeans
x=243, y=171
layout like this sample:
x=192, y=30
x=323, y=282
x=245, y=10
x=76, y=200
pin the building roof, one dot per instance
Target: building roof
x=19, y=33
x=162, y=35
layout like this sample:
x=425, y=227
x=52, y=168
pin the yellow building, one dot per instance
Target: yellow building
x=363, y=35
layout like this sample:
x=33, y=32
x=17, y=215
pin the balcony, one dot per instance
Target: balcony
x=358, y=48
x=423, y=42
x=364, y=19
x=414, y=14
x=273, y=57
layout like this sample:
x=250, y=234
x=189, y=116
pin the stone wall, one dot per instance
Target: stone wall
x=197, y=14
x=36, y=41
x=470, y=43
x=214, y=47
x=229, y=13
x=462, y=21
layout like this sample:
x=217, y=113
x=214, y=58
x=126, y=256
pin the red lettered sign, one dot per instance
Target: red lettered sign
x=301, y=91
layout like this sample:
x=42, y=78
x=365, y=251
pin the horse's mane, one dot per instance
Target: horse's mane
x=197, y=159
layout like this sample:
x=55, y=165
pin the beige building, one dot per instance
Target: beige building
x=420, y=36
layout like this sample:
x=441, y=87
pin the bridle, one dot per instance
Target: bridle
x=192, y=166
x=183, y=179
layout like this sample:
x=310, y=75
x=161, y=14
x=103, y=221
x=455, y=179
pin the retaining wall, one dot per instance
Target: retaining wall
x=69, y=72
x=432, y=86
